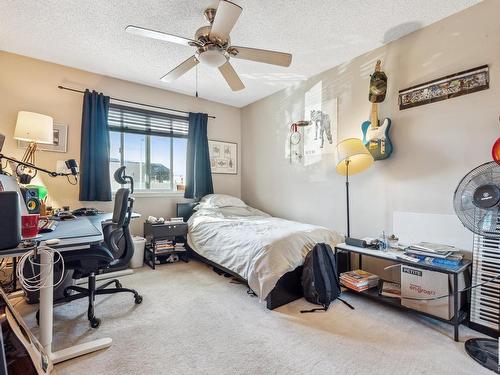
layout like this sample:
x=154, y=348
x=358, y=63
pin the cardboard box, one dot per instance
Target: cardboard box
x=420, y=283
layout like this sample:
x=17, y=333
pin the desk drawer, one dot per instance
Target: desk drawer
x=164, y=230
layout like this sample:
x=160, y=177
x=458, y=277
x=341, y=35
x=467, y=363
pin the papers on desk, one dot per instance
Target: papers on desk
x=435, y=254
x=433, y=248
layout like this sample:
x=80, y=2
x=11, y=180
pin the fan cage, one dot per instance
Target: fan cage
x=484, y=222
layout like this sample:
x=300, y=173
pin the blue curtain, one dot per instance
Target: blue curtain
x=95, y=182
x=198, y=172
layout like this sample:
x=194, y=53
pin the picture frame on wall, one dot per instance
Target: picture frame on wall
x=223, y=157
x=60, y=143
x=451, y=86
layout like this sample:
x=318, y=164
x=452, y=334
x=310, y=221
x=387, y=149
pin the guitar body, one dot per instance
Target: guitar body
x=376, y=136
x=376, y=139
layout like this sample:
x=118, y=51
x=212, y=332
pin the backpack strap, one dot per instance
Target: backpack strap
x=346, y=303
x=326, y=308
x=328, y=283
x=314, y=310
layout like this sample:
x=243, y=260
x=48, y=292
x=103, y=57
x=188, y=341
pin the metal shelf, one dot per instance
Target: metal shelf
x=460, y=314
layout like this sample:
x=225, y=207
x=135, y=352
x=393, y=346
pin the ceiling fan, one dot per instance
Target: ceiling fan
x=213, y=46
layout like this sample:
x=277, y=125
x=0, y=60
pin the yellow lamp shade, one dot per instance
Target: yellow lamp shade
x=353, y=157
x=34, y=127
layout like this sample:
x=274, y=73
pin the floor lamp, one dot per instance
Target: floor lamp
x=33, y=128
x=353, y=157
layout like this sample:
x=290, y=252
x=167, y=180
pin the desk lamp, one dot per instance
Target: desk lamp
x=353, y=157
x=33, y=128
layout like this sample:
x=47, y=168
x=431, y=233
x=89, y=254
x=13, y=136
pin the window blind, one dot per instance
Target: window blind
x=140, y=121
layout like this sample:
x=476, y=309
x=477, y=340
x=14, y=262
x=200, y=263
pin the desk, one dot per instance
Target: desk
x=80, y=233
x=459, y=315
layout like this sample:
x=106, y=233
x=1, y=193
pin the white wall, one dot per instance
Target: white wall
x=31, y=85
x=435, y=144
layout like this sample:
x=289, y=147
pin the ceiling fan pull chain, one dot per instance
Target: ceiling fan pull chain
x=196, y=94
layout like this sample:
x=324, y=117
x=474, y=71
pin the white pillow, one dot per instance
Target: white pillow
x=220, y=200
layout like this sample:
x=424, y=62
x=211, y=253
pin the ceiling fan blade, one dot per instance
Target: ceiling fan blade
x=141, y=31
x=225, y=18
x=180, y=69
x=261, y=55
x=231, y=77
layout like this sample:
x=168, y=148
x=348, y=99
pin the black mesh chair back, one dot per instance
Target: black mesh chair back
x=117, y=235
x=121, y=206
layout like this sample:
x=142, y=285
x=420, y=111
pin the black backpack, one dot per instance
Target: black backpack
x=320, y=280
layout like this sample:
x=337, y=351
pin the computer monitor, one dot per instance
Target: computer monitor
x=9, y=183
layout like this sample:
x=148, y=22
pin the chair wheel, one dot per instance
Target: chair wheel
x=95, y=323
x=118, y=285
x=138, y=300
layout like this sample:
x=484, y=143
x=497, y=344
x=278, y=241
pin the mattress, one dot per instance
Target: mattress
x=254, y=245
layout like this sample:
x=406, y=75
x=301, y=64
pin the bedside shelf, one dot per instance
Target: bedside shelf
x=157, y=234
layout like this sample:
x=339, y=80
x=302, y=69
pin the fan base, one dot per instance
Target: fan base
x=484, y=352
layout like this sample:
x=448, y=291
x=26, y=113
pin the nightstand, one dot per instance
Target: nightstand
x=164, y=240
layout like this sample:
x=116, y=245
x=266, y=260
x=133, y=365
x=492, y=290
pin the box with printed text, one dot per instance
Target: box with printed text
x=420, y=286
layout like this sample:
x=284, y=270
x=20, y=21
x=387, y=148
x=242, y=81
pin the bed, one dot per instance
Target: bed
x=265, y=252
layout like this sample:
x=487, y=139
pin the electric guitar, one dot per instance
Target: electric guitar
x=375, y=136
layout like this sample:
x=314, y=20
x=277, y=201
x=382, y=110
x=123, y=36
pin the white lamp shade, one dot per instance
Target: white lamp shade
x=352, y=152
x=213, y=58
x=34, y=127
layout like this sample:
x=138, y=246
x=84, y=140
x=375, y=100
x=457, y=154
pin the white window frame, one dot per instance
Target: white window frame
x=148, y=192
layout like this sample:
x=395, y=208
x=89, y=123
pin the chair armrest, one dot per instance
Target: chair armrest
x=106, y=223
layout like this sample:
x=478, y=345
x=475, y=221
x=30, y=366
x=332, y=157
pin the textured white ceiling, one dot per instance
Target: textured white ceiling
x=319, y=33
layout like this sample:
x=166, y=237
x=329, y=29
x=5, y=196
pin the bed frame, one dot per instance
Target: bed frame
x=287, y=289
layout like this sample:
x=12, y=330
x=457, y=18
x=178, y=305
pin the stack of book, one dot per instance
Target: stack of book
x=437, y=254
x=179, y=246
x=359, y=280
x=164, y=246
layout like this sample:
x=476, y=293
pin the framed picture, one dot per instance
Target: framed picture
x=319, y=136
x=448, y=87
x=60, y=143
x=223, y=157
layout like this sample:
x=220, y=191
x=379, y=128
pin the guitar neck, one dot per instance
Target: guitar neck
x=374, y=115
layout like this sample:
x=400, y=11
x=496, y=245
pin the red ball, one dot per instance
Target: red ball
x=495, y=151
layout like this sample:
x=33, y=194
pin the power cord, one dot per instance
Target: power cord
x=40, y=280
x=74, y=182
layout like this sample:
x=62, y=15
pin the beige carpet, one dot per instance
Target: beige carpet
x=193, y=321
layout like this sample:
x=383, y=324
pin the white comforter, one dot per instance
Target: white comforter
x=256, y=246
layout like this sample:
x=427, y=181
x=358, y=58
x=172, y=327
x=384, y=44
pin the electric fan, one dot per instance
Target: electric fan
x=477, y=204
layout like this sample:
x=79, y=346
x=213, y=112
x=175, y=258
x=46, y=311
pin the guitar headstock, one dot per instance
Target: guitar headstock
x=377, y=66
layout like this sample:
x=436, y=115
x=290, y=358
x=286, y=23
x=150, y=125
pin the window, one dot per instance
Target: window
x=152, y=145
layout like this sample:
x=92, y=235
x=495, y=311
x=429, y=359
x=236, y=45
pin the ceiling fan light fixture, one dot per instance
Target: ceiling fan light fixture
x=213, y=45
x=212, y=56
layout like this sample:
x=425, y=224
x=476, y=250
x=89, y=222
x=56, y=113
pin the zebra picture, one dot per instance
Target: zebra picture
x=322, y=126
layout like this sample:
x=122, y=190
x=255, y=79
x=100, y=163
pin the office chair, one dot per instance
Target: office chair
x=119, y=246
x=97, y=259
